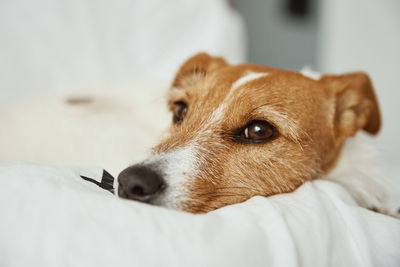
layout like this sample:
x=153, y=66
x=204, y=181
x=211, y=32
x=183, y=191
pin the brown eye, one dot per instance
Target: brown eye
x=256, y=132
x=180, y=110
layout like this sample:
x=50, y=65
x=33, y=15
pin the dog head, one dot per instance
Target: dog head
x=246, y=130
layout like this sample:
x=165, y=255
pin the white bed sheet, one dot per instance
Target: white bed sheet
x=51, y=217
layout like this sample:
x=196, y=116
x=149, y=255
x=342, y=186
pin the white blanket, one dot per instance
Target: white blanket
x=51, y=217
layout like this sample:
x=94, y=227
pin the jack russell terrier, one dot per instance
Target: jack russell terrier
x=246, y=130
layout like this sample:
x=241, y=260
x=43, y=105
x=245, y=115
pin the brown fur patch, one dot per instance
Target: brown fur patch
x=312, y=118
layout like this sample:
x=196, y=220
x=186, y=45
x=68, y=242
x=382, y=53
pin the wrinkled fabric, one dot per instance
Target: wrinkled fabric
x=51, y=217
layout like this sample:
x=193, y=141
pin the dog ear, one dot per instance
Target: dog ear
x=356, y=106
x=196, y=68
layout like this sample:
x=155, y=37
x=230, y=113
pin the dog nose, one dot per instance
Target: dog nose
x=140, y=182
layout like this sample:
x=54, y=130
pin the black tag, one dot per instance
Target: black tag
x=107, y=181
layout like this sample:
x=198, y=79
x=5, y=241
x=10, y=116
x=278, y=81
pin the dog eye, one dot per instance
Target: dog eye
x=256, y=132
x=179, y=111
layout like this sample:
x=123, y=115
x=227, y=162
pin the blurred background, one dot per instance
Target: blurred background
x=125, y=52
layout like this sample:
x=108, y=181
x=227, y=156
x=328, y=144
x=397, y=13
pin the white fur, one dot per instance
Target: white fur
x=358, y=171
x=308, y=72
x=220, y=111
x=247, y=78
x=177, y=167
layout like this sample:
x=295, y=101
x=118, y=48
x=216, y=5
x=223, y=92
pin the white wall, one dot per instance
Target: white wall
x=365, y=35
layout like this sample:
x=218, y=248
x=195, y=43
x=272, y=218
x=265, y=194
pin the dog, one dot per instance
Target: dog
x=244, y=130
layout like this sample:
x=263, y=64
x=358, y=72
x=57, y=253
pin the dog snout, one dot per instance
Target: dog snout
x=140, y=183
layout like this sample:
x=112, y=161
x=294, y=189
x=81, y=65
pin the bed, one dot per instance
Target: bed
x=52, y=217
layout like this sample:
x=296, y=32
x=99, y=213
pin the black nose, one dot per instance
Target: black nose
x=140, y=182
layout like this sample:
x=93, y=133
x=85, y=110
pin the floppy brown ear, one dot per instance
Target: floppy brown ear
x=197, y=67
x=356, y=106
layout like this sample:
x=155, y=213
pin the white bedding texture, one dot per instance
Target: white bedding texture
x=51, y=217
